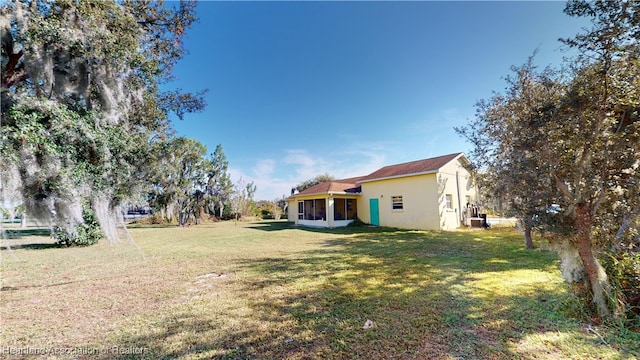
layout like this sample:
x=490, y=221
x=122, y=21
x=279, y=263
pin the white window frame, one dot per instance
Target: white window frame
x=448, y=201
x=397, y=203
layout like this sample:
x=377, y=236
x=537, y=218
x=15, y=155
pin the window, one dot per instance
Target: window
x=352, y=209
x=448, y=201
x=344, y=209
x=300, y=210
x=396, y=203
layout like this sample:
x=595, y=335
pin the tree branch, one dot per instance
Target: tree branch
x=13, y=73
x=564, y=189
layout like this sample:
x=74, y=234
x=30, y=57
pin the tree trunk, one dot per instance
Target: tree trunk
x=526, y=229
x=527, y=236
x=221, y=207
x=183, y=218
x=598, y=280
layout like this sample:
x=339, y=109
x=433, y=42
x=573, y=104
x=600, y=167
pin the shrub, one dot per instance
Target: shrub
x=357, y=223
x=623, y=269
x=86, y=234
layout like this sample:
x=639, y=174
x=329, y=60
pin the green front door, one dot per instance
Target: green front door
x=374, y=210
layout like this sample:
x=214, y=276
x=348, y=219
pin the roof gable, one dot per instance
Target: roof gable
x=352, y=185
x=337, y=186
x=424, y=166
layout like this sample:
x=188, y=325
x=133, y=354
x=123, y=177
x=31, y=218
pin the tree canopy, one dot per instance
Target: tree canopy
x=219, y=186
x=82, y=110
x=313, y=182
x=563, y=145
x=186, y=184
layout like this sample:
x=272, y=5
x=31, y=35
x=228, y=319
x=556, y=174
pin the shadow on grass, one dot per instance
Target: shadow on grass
x=279, y=225
x=420, y=290
x=134, y=225
x=15, y=233
x=37, y=246
x=272, y=225
x=15, y=288
x=27, y=238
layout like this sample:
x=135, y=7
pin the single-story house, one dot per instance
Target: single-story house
x=429, y=194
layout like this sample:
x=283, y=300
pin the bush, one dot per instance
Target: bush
x=154, y=219
x=624, y=270
x=357, y=223
x=86, y=234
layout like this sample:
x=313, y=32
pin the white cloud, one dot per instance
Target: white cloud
x=264, y=168
x=275, y=177
x=306, y=165
x=267, y=175
x=299, y=157
x=359, y=161
x=237, y=174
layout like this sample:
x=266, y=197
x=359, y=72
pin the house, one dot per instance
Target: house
x=429, y=194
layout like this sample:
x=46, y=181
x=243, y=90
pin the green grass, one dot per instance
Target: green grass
x=268, y=290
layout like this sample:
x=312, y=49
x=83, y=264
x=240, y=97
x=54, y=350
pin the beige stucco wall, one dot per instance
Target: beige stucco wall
x=292, y=210
x=455, y=179
x=423, y=199
x=419, y=202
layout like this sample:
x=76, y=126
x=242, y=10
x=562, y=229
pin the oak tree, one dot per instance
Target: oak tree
x=564, y=144
x=82, y=108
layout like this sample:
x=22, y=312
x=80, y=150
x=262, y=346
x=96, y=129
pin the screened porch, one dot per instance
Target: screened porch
x=327, y=212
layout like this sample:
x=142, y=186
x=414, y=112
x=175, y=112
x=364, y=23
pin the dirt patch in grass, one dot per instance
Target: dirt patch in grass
x=208, y=284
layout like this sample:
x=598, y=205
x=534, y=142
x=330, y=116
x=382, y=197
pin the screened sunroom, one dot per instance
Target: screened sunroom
x=328, y=204
x=331, y=211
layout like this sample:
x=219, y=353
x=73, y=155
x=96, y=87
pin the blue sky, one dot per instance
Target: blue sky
x=298, y=89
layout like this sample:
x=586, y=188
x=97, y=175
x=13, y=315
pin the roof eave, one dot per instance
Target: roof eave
x=343, y=193
x=464, y=158
x=399, y=176
x=324, y=193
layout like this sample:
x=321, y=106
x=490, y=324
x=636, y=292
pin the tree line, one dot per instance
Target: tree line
x=187, y=185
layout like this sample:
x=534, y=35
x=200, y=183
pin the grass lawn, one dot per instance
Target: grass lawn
x=269, y=290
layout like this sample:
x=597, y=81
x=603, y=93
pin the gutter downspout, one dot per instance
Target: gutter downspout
x=459, y=200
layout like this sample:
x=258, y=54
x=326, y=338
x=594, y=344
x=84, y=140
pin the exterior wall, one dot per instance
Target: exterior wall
x=455, y=180
x=419, y=197
x=292, y=210
x=424, y=199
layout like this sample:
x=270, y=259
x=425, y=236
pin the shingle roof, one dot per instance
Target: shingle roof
x=408, y=168
x=336, y=186
x=352, y=180
x=351, y=185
